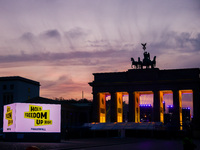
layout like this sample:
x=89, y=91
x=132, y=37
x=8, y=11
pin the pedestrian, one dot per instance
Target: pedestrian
x=67, y=134
x=188, y=144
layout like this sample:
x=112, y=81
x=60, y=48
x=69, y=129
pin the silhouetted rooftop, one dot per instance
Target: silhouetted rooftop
x=13, y=78
x=42, y=100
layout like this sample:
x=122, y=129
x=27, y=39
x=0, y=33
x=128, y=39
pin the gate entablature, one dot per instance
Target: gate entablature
x=148, y=76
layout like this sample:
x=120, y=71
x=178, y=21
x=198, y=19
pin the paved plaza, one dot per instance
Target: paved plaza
x=104, y=144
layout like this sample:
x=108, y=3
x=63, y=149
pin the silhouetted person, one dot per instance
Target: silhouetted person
x=188, y=144
x=66, y=134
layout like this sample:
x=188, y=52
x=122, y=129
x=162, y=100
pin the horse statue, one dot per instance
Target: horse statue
x=137, y=64
x=146, y=61
x=134, y=63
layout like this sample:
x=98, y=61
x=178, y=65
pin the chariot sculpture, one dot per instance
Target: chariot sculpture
x=147, y=62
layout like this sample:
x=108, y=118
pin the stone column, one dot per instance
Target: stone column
x=156, y=106
x=137, y=106
x=134, y=108
x=131, y=114
x=196, y=109
x=158, y=110
x=95, y=108
x=113, y=108
x=176, y=110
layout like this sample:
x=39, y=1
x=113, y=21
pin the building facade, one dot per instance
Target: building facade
x=135, y=82
x=16, y=89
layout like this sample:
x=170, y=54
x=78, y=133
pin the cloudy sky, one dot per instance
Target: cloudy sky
x=60, y=43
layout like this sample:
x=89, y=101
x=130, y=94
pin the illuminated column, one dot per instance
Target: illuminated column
x=137, y=106
x=161, y=107
x=196, y=109
x=177, y=109
x=119, y=107
x=180, y=110
x=102, y=107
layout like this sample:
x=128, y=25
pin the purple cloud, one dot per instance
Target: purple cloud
x=51, y=34
x=76, y=32
x=28, y=36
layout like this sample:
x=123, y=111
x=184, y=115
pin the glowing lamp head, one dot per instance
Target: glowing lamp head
x=145, y=105
x=169, y=106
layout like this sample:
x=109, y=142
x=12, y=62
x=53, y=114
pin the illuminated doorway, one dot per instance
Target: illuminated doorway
x=146, y=106
x=137, y=100
x=125, y=106
x=184, y=108
x=186, y=99
x=165, y=97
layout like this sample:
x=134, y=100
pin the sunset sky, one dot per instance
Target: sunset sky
x=60, y=43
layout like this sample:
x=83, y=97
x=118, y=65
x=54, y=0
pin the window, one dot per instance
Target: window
x=11, y=98
x=7, y=98
x=4, y=87
x=12, y=86
x=4, y=100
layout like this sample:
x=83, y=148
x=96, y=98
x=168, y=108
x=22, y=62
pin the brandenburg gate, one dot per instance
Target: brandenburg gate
x=149, y=80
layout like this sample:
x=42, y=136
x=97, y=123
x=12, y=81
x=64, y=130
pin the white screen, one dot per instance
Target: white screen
x=30, y=117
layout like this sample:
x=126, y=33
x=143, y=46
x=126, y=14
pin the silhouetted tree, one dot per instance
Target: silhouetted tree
x=73, y=100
